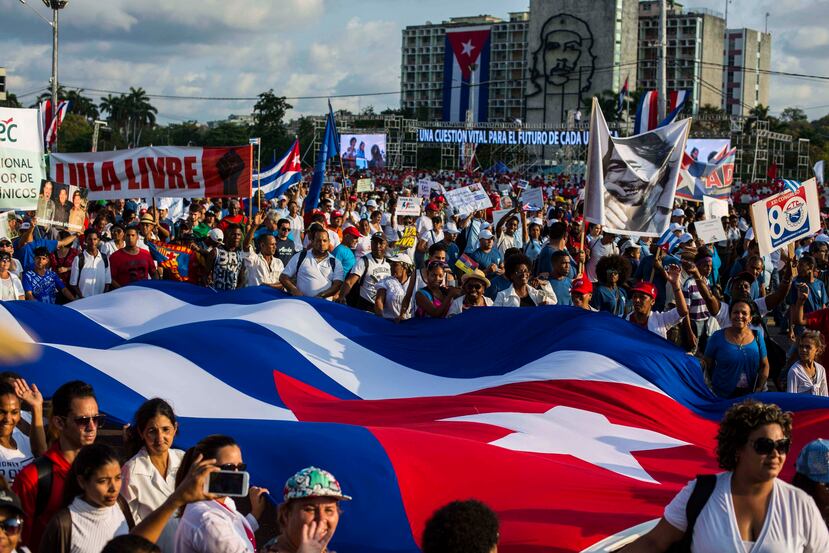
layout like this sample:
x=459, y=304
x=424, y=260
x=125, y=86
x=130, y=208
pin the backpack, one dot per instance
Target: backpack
x=304, y=253
x=353, y=297
x=82, y=261
x=44, y=484
x=705, y=484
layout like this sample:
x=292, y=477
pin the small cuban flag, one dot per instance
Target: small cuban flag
x=790, y=185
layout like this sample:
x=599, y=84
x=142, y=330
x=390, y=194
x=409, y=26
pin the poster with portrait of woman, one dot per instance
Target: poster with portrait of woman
x=61, y=206
x=631, y=182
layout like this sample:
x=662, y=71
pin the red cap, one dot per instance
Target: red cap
x=352, y=198
x=432, y=206
x=581, y=286
x=352, y=231
x=337, y=213
x=645, y=288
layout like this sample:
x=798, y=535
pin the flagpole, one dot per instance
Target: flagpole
x=258, y=176
x=250, y=203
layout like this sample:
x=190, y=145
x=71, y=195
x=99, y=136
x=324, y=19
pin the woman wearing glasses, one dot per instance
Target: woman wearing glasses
x=149, y=477
x=214, y=526
x=749, y=508
x=93, y=513
x=612, y=272
x=518, y=269
x=11, y=521
x=474, y=285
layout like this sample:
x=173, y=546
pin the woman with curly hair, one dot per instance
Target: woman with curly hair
x=611, y=271
x=748, y=508
x=518, y=269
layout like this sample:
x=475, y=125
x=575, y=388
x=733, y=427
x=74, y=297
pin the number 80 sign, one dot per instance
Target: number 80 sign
x=786, y=217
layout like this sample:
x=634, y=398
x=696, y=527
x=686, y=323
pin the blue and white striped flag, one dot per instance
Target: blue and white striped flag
x=791, y=185
x=669, y=240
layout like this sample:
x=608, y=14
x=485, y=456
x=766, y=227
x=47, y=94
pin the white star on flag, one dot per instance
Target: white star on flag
x=467, y=48
x=583, y=434
x=296, y=159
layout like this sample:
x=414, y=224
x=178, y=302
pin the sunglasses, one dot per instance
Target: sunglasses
x=5, y=244
x=236, y=468
x=84, y=422
x=764, y=446
x=284, y=228
x=12, y=526
x=475, y=286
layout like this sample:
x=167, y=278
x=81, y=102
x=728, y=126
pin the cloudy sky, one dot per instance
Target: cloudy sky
x=239, y=48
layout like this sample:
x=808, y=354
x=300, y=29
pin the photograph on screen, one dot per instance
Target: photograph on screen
x=363, y=151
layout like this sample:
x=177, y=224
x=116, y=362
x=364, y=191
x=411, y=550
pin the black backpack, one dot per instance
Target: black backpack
x=703, y=489
x=304, y=253
x=82, y=261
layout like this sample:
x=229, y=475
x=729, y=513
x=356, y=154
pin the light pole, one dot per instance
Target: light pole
x=55, y=6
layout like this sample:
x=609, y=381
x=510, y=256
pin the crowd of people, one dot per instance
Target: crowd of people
x=755, y=322
x=78, y=494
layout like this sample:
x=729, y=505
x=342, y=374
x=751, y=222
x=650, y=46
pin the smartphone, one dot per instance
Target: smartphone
x=228, y=483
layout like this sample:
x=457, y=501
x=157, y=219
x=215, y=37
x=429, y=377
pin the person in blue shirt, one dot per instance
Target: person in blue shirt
x=817, y=292
x=735, y=357
x=26, y=245
x=344, y=251
x=472, y=229
x=560, y=280
x=42, y=283
x=453, y=252
x=487, y=257
x=557, y=240
x=612, y=271
x=534, y=243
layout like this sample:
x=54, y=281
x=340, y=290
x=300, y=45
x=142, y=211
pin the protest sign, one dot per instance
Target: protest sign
x=522, y=184
x=61, y=206
x=21, y=158
x=786, y=217
x=364, y=185
x=172, y=171
x=532, y=199
x=7, y=230
x=408, y=205
x=499, y=214
x=710, y=230
x=505, y=188
x=714, y=207
x=425, y=187
x=408, y=239
x=467, y=199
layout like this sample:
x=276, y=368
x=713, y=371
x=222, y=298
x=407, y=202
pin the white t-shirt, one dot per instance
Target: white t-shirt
x=597, y=251
x=207, y=527
x=798, y=382
x=313, y=278
x=424, y=224
x=11, y=288
x=395, y=292
x=94, y=276
x=660, y=323
x=793, y=523
x=457, y=306
x=297, y=228
x=374, y=272
x=258, y=271
x=12, y=461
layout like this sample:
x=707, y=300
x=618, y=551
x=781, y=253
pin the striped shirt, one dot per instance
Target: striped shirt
x=696, y=304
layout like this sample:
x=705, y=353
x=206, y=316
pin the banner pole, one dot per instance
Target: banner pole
x=581, y=241
x=250, y=202
x=258, y=176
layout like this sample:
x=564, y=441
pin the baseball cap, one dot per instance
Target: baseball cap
x=677, y=227
x=313, y=482
x=626, y=245
x=25, y=225
x=432, y=206
x=685, y=238
x=646, y=288
x=401, y=257
x=351, y=231
x=371, y=203
x=337, y=213
x=746, y=276
x=536, y=221
x=821, y=238
x=451, y=228
x=581, y=286
x=677, y=213
x=813, y=461
x=378, y=236
x=9, y=500
x=216, y=235
x=485, y=235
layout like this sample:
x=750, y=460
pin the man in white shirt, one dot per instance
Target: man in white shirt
x=263, y=267
x=90, y=274
x=297, y=224
x=313, y=272
x=643, y=294
x=598, y=249
x=368, y=271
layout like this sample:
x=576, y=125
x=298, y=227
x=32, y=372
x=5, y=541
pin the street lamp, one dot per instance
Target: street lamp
x=55, y=6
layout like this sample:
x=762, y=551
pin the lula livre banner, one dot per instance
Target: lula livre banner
x=21, y=158
x=166, y=171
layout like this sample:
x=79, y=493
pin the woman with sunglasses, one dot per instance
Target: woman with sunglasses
x=518, y=269
x=10, y=286
x=474, y=285
x=93, y=513
x=16, y=267
x=11, y=520
x=215, y=525
x=612, y=272
x=149, y=477
x=750, y=508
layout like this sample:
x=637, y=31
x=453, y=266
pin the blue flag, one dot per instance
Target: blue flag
x=328, y=149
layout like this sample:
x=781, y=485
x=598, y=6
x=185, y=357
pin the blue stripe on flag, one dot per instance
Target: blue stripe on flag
x=791, y=185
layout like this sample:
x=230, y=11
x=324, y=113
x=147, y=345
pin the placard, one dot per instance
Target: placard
x=714, y=207
x=468, y=199
x=6, y=230
x=522, y=184
x=505, y=189
x=408, y=239
x=408, y=205
x=21, y=151
x=532, y=199
x=710, y=230
x=786, y=217
x=425, y=187
x=61, y=206
x=499, y=214
x=364, y=185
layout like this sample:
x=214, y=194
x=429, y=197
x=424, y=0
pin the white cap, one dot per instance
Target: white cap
x=685, y=238
x=371, y=203
x=401, y=257
x=536, y=221
x=627, y=244
x=485, y=235
x=676, y=226
x=216, y=235
x=678, y=213
x=821, y=238
x=451, y=228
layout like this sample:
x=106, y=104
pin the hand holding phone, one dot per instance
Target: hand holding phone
x=228, y=483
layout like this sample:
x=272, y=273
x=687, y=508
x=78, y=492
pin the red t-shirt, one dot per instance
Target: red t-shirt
x=126, y=268
x=25, y=486
x=819, y=320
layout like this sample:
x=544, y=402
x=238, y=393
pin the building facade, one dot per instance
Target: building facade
x=423, y=57
x=694, y=43
x=747, y=62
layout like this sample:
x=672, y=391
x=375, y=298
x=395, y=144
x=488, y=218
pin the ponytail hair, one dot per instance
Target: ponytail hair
x=208, y=448
x=89, y=459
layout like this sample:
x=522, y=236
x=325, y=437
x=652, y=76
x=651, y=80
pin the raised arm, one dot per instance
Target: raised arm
x=673, y=273
x=711, y=301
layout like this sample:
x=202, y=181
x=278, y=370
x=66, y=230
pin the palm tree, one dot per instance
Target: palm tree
x=141, y=113
x=82, y=105
x=115, y=107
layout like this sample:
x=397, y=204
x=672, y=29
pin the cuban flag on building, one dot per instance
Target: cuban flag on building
x=276, y=179
x=466, y=59
x=569, y=438
x=647, y=111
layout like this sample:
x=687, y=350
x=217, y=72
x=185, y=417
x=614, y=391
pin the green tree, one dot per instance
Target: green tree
x=793, y=115
x=11, y=101
x=269, y=122
x=141, y=114
x=82, y=105
x=74, y=134
x=227, y=133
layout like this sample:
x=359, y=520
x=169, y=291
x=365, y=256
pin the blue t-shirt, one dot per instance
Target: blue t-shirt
x=731, y=362
x=486, y=259
x=533, y=248
x=44, y=288
x=497, y=283
x=607, y=299
x=346, y=257
x=453, y=252
x=562, y=290
x=26, y=254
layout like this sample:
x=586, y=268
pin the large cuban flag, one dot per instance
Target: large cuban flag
x=466, y=59
x=574, y=426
